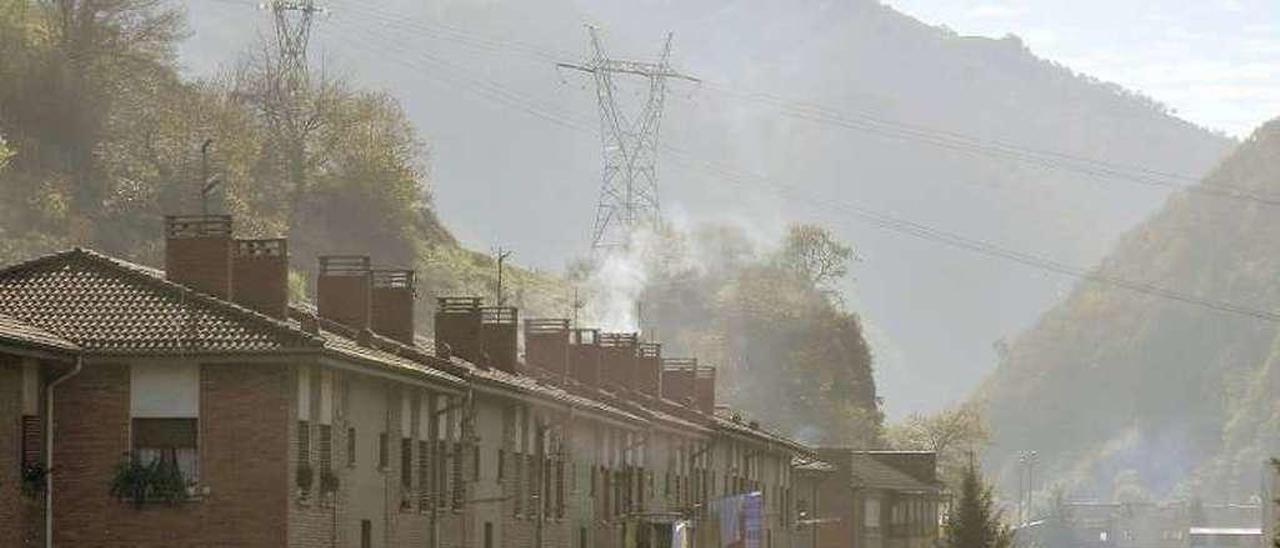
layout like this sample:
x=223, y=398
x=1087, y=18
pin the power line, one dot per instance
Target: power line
x=891, y=223
x=629, y=184
x=897, y=130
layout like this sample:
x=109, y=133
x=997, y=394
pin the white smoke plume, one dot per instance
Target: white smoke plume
x=616, y=279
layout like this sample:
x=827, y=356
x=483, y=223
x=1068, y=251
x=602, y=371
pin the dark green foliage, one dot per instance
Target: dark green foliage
x=33, y=479
x=328, y=481
x=974, y=521
x=158, y=481
x=304, y=476
x=773, y=323
x=1275, y=462
x=105, y=137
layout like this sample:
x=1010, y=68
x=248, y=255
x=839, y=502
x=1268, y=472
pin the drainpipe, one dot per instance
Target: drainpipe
x=48, y=450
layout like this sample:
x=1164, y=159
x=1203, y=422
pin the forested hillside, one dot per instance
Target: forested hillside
x=1118, y=390
x=104, y=138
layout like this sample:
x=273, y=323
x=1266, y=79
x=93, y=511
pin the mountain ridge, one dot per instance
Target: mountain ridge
x=1110, y=380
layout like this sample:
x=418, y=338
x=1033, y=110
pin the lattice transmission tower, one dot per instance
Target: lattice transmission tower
x=629, y=186
x=293, y=20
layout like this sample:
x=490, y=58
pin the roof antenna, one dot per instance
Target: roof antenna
x=207, y=182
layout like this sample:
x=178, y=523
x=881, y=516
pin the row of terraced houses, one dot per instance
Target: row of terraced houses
x=198, y=406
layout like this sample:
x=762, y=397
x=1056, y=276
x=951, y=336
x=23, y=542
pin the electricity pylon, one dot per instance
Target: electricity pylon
x=629, y=189
x=293, y=20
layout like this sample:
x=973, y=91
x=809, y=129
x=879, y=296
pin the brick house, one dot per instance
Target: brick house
x=871, y=499
x=335, y=424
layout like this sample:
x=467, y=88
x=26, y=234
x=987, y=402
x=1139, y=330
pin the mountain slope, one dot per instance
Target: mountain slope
x=855, y=56
x=1112, y=380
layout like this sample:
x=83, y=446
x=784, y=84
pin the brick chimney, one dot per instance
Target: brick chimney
x=344, y=289
x=584, y=356
x=197, y=252
x=704, y=389
x=618, y=360
x=647, y=377
x=678, y=379
x=260, y=276
x=458, y=328
x=546, y=345
x=392, y=308
x=498, y=336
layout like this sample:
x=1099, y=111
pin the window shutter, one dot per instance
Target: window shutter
x=32, y=432
x=424, y=475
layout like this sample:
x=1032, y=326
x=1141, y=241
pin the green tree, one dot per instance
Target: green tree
x=1060, y=527
x=815, y=254
x=5, y=153
x=950, y=433
x=975, y=522
x=1275, y=540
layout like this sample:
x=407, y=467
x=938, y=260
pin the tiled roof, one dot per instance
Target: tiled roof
x=24, y=334
x=811, y=465
x=352, y=350
x=869, y=472
x=746, y=429
x=531, y=386
x=108, y=305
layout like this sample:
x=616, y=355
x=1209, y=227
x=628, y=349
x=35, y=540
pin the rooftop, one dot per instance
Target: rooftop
x=20, y=333
x=107, y=305
x=82, y=300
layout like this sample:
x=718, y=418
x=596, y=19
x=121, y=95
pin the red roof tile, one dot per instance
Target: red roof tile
x=24, y=334
x=108, y=305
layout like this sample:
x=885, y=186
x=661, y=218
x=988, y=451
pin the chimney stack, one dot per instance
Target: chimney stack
x=260, y=276
x=343, y=290
x=392, y=308
x=458, y=328
x=546, y=345
x=678, y=379
x=648, y=373
x=584, y=356
x=704, y=389
x=197, y=252
x=618, y=360
x=498, y=336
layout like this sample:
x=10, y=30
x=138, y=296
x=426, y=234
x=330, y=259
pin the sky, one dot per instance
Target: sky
x=1214, y=62
x=504, y=176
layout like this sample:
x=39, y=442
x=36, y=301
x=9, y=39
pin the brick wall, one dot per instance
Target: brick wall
x=21, y=519
x=243, y=411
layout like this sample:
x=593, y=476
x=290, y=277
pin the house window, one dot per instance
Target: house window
x=406, y=464
x=326, y=448
x=406, y=445
x=382, y=451
x=304, y=444
x=871, y=512
x=459, y=488
x=351, y=446
x=32, y=433
x=164, y=402
x=171, y=441
x=424, y=475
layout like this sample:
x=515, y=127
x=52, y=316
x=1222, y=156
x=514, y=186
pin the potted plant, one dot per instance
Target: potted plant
x=33, y=479
x=160, y=480
x=328, y=481
x=304, y=477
